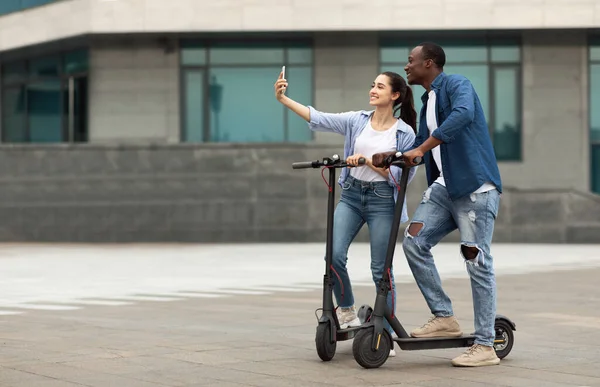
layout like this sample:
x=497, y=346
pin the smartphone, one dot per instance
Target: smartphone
x=283, y=71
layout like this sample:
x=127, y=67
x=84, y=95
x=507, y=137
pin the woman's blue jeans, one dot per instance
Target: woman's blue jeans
x=362, y=202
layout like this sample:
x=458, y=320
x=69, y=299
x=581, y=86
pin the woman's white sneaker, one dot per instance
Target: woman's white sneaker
x=348, y=318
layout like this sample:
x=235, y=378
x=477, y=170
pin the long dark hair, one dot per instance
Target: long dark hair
x=405, y=103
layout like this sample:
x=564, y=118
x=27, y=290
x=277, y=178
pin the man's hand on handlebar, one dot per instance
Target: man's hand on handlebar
x=353, y=160
x=379, y=159
x=408, y=159
x=411, y=155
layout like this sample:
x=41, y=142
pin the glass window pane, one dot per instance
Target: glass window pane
x=461, y=54
x=246, y=54
x=14, y=72
x=595, y=103
x=455, y=53
x=595, y=53
x=504, y=54
x=245, y=109
x=7, y=6
x=76, y=62
x=507, y=128
x=418, y=92
x=396, y=68
x=193, y=54
x=13, y=115
x=596, y=168
x=394, y=55
x=300, y=89
x=44, y=108
x=478, y=75
x=193, y=125
x=44, y=67
x=34, y=3
x=300, y=55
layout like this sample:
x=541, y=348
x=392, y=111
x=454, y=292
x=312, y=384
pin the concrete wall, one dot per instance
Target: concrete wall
x=78, y=17
x=134, y=92
x=345, y=66
x=212, y=194
x=555, y=113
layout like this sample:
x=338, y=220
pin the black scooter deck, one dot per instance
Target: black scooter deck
x=347, y=334
x=414, y=343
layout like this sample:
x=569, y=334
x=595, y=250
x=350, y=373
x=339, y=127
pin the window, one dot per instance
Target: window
x=8, y=6
x=228, y=96
x=45, y=99
x=494, y=69
x=595, y=115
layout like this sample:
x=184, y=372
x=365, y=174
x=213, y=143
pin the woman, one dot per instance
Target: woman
x=368, y=193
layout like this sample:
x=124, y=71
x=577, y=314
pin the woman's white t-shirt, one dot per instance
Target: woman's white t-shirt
x=369, y=142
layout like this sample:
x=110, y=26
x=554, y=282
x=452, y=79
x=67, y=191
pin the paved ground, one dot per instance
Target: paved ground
x=244, y=315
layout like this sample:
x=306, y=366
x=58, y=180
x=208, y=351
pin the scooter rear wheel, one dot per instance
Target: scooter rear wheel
x=364, y=355
x=325, y=348
x=364, y=313
x=504, y=339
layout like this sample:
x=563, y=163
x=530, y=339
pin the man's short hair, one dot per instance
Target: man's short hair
x=434, y=52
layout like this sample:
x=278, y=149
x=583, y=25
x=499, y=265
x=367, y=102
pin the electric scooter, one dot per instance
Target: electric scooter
x=372, y=343
x=329, y=331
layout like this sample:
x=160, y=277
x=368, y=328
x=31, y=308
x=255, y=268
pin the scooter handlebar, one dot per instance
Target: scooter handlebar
x=401, y=163
x=361, y=161
x=304, y=164
x=326, y=162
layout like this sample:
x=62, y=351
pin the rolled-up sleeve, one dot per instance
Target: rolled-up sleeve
x=461, y=95
x=330, y=122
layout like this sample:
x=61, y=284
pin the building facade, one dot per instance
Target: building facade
x=127, y=120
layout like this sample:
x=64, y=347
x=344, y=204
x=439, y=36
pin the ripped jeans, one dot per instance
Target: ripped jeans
x=474, y=216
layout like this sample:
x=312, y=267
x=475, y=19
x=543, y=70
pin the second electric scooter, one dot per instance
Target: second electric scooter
x=372, y=343
x=329, y=331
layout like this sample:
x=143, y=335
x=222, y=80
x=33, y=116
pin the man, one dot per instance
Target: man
x=464, y=193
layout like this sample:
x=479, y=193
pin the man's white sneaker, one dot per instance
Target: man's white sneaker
x=477, y=356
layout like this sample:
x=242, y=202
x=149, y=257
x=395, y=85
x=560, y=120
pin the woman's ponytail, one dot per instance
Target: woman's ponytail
x=405, y=103
x=408, y=113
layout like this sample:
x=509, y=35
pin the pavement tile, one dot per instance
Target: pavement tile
x=15, y=377
x=266, y=368
x=79, y=376
x=591, y=369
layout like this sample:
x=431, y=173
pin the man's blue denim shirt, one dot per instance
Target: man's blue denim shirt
x=350, y=125
x=468, y=158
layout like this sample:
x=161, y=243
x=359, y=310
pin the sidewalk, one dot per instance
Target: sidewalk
x=243, y=315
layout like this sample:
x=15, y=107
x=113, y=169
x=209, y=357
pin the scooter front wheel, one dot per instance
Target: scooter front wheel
x=364, y=355
x=325, y=347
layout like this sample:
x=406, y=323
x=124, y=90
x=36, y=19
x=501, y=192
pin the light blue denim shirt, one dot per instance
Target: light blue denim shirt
x=350, y=125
